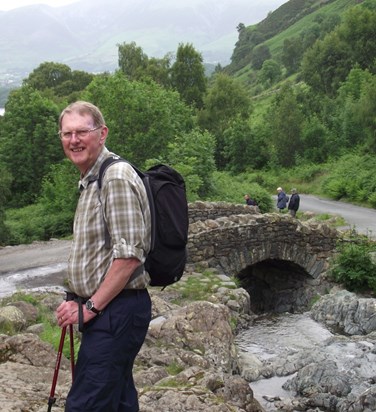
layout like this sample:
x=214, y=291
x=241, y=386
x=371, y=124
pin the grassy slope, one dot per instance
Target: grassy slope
x=275, y=43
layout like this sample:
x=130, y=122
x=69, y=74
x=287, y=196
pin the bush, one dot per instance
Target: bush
x=354, y=267
x=229, y=188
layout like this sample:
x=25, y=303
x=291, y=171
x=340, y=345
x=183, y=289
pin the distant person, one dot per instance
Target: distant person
x=249, y=201
x=282, y=199
x=294, y=202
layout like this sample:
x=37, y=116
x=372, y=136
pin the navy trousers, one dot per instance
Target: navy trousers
x=103, y=380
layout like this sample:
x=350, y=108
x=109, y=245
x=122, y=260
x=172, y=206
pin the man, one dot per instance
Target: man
x=294, y=202
x=111, y=281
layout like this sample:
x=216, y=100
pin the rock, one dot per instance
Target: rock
x=11, y=315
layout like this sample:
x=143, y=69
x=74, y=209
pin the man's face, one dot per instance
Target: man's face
x=82, y=150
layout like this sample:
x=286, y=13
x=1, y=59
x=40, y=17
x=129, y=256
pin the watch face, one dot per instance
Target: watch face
x=89, y=304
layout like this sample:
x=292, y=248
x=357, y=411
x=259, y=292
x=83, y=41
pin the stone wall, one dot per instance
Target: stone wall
x=213, y=210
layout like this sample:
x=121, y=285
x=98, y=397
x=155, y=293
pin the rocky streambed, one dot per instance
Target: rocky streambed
x=191, y=361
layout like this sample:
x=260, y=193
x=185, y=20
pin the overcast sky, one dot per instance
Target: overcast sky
x=13, y=4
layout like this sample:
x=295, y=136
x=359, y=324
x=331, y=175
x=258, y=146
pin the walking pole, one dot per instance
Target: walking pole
x=52, y=399
x=71, y=349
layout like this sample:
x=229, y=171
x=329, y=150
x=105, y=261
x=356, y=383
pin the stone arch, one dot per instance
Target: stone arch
x=247, y=246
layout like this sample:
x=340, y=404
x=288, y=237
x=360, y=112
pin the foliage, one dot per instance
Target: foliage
x=25, y=225
x=243, y=148
x=132, y=60
x=260, y=54
x=4, y=93
x=5, y=193
x=270, y=72
x=188, y=75
x=29, y=143
x=192, y=154
x=298, y=112
x=143, y=118
x=57, y=80
x=330, y=60
x=136, y=65
x=230, y=188
x=286, y=122
x=52, y=334
x=352, y=178
x=225, y=101
x=354, y=267
x=52, y=216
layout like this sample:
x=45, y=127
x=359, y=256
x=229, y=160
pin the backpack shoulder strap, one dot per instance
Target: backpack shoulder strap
x=145, y=179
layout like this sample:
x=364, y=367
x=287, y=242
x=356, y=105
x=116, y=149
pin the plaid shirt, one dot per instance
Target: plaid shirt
x=123, y=203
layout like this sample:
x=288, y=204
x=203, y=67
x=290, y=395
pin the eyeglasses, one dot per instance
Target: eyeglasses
x=81, y=134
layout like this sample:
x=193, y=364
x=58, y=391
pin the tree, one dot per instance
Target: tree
x=326, y=65
x=29, y=142
x=243, y=150
x=5, y=184
x=259, y=54
x=270, y=72
x=292, y=54
x=286, y=121
x=192, y=153
x=225, y=101
x=56, y=80
x=132, y=60
x=143, y=117
x=188, y=75
x=159, y=70
x=48, y=75
x=349, y=122
x=365, y=112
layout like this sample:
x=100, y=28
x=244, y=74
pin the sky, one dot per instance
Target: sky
x=14, y=4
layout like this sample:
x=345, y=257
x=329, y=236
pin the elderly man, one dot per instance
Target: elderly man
x=108, y=284
x=294, y=202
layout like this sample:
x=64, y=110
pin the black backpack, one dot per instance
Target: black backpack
x=165, y=188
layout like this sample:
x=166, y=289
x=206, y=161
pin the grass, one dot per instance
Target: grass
x=199, y=287
x=51, y=332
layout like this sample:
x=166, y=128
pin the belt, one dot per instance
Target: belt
x=81, y=301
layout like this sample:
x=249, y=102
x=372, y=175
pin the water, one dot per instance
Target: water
x=41, y=278
x=273, y=336
x=2, y=111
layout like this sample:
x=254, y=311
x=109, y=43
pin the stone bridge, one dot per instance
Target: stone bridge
x=279, y=260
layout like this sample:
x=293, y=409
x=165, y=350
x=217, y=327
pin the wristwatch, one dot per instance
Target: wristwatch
x=90, y=306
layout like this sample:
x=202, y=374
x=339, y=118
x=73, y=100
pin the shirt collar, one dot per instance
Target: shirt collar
x=92, y=174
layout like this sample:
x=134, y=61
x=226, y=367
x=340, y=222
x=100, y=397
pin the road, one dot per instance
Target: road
x=361, y=219
x=43, y=264
x=39, y=265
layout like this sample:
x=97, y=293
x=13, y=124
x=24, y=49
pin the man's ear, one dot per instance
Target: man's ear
x=104, y=133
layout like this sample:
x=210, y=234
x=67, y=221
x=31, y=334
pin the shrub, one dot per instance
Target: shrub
x=354, y=267
x=229, y=188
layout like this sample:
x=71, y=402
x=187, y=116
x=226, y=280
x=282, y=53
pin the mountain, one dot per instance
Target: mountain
x=84, y=35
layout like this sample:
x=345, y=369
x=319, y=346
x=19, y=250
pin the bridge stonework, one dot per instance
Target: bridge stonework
x=239, y=240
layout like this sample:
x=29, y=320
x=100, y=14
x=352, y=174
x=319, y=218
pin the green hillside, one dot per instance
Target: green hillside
x=288, y=21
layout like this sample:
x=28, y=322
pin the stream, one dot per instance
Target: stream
x=274, y=335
